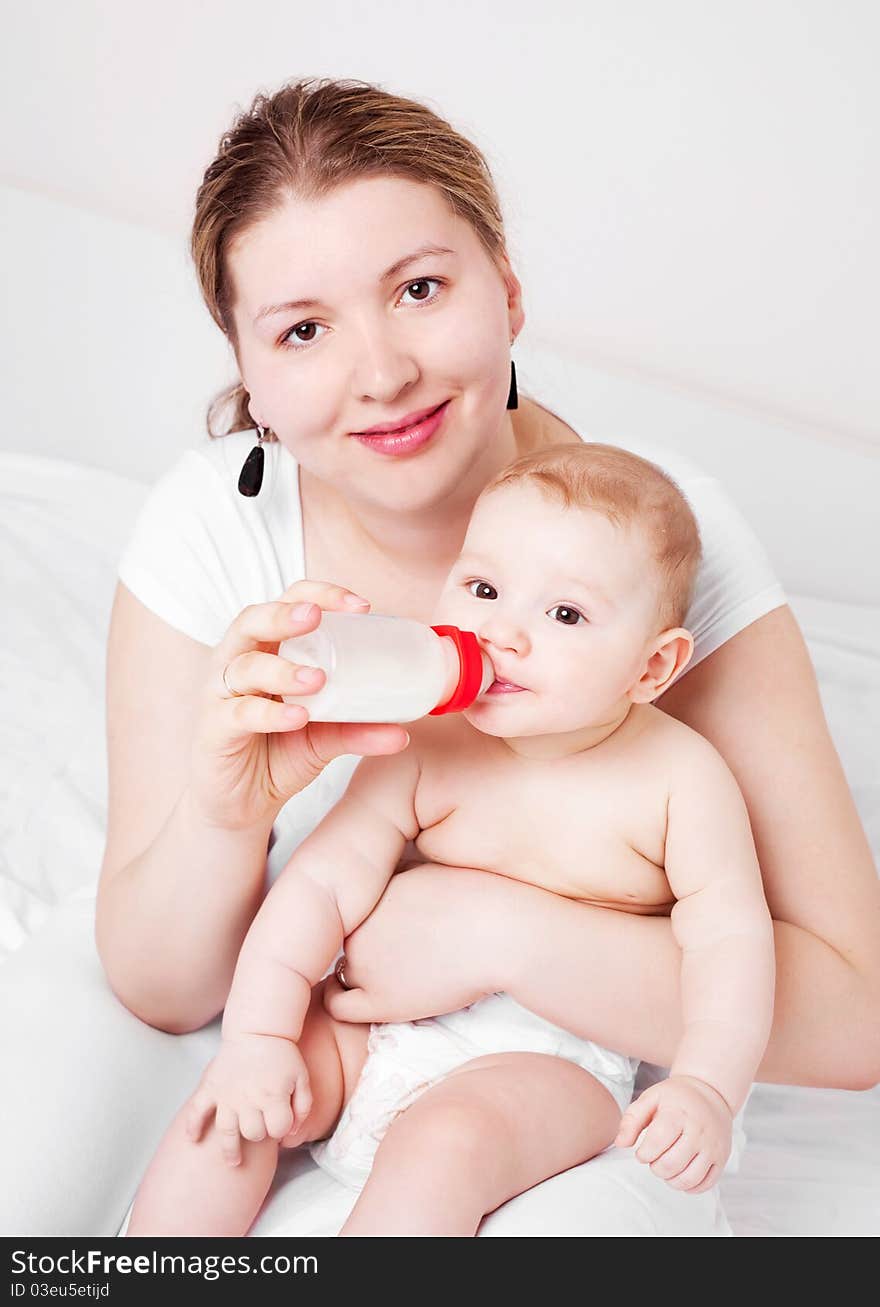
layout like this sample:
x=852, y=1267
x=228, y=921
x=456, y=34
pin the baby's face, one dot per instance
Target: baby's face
x=564, y=604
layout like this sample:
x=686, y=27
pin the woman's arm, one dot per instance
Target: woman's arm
x=614, y=977
x=757, y=700
x=176, y=893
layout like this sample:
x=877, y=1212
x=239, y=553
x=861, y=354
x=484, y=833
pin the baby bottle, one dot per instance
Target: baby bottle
x=388, y=669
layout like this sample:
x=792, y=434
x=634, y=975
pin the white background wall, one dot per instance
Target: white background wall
x=691, y=189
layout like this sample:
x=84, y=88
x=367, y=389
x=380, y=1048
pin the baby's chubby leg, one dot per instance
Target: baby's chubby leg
x=488, y=1131
x=190, y=1189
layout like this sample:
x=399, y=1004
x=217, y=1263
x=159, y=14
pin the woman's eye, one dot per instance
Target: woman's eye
x=304, y=333
x=420, y=287
x=293, y=340
x=568, y=616
x=483, y=585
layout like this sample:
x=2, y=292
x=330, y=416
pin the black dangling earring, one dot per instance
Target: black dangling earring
x=251, y=477
x=513, y=397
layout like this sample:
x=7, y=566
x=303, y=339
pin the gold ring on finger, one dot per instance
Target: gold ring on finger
x=232, y=694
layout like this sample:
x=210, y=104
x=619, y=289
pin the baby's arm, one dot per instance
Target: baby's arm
x=722, y=925
x=330, y=885
x=728, y=974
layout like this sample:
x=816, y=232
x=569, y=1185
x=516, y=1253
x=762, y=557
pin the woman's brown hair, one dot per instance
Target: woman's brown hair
x=305, y=139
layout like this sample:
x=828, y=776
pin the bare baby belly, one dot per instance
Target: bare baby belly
x=351, y=1041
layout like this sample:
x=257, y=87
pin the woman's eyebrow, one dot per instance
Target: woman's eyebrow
x=422, y=252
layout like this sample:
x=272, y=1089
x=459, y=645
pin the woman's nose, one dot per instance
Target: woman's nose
x=383, y=368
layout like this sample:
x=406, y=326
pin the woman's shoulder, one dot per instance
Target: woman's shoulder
x=225, y=456
x=205, y=477
x=546, y=427
x=201, y=474
x=736, y=582
x=199, y=551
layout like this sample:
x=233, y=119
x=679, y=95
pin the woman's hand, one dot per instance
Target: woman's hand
x=251, y=752
x=257, y=1086
x=434, y=942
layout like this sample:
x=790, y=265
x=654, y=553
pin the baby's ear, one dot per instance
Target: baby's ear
x=672, y=650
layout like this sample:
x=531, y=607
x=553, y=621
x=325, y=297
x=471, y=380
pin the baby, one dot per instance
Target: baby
x=575, y=576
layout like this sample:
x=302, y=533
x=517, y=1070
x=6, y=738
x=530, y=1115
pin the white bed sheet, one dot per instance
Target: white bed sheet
x=813, y=1159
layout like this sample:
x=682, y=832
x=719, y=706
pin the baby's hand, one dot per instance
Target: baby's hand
x=688, y=1135
x=249, y=1085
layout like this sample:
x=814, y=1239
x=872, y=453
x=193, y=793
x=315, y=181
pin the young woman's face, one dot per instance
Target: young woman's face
x=377, y=343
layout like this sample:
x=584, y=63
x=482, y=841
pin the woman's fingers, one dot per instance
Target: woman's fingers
x=296, y=612
x=254, y=714
x=247, y=660
x=238, y=718
x=346, y=1004
x=256, y=672
x=324, y=593
x=329, y=739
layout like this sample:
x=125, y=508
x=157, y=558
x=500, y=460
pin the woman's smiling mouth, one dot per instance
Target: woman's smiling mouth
x=395, y=428
x=404, y=440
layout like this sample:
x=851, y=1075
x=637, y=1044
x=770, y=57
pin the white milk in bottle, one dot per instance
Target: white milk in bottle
x=387, y=669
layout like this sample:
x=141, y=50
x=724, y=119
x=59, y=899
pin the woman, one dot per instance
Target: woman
x=350, y=246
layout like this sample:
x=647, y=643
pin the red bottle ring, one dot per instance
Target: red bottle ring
x=471, y=675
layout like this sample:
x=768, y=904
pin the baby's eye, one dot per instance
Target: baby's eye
x=485, y=586
x=568, y=616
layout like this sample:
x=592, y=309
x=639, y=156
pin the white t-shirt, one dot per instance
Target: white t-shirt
x=199, y=552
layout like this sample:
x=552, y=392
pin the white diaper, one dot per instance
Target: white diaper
x=405, y=1058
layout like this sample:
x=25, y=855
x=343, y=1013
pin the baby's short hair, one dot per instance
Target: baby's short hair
x=628, y=490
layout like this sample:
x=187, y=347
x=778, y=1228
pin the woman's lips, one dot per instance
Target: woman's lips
x=391, y=428
x=410, y=438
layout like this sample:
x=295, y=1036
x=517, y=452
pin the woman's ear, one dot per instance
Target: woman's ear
x=670, y=654
x=254, y=418
x=515, y=311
